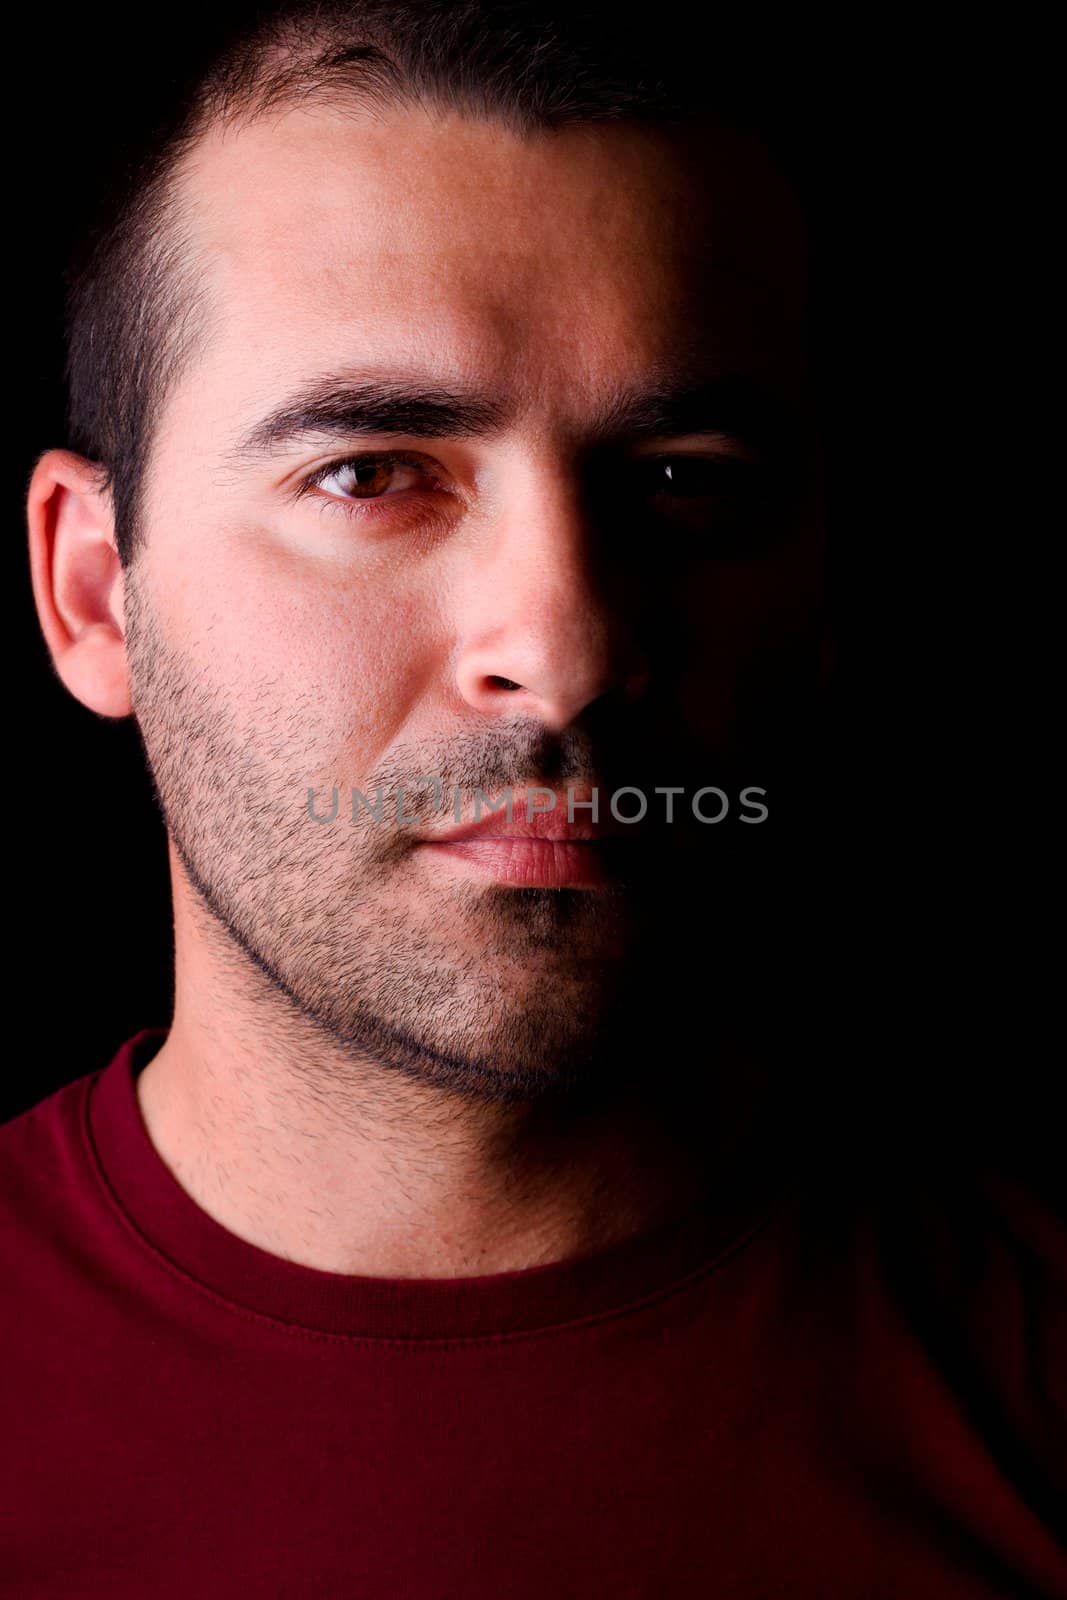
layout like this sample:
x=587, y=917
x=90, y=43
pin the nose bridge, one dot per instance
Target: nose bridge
x=550, y=572
x=543, y=629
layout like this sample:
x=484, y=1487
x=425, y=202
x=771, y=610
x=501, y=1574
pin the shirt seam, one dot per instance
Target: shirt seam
x=414, y=1342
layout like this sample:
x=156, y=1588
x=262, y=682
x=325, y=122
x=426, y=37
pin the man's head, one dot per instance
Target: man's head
x=452, y=419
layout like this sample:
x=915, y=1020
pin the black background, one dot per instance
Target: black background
x=924, y=161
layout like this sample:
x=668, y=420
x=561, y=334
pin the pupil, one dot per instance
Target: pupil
x=367, y=471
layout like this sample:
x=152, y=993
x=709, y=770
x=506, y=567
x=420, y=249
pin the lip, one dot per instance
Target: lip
x=530, y=863
x=550, y=826
x=544, y=850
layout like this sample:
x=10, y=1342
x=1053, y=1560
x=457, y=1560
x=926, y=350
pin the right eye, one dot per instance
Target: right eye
x=357, y=481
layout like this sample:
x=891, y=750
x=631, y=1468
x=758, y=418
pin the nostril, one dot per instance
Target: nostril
x=503, y=683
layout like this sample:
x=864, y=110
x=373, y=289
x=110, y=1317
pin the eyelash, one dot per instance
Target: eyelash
x=379, y=506
x=373, y=458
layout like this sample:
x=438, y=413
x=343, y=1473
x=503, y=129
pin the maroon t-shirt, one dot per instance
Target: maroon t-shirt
x=830, y=1391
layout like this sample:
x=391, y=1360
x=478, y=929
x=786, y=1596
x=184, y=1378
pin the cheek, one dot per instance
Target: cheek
x=745, y=629
x=337, y=656
x=739, y=617
x=372, y=653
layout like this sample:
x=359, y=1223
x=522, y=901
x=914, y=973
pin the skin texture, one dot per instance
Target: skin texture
x=381, y=1062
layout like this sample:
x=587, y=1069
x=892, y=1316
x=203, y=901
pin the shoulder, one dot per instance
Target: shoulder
x=47, y=1193
x=959, y=1221
x=969, y=1251
x=48, y=1172
x=979, y=1218
x=40, y=1151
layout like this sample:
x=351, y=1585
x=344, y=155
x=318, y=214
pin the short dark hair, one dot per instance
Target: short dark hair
x=135, y=312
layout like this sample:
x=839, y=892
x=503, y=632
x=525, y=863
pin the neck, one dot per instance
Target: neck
x=347, y=1166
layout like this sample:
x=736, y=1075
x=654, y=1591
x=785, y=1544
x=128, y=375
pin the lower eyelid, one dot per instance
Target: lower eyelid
x=403, y=505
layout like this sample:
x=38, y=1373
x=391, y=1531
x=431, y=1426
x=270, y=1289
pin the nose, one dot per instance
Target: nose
x=545, y=627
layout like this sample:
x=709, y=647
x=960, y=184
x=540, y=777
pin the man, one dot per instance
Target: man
x=444, y=501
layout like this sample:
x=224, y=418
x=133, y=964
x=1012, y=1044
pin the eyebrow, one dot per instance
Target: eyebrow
x=349, y=407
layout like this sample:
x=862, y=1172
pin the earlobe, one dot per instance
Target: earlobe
x=78, y=580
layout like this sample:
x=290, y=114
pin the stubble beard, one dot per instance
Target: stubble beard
x=497, y=993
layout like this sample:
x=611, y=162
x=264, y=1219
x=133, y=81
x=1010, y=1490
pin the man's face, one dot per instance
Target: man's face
x=301, y=620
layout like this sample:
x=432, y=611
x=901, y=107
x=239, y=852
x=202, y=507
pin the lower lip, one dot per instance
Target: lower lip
x=529, y=863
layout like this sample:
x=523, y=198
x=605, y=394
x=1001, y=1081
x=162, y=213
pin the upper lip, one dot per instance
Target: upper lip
x=549, y=825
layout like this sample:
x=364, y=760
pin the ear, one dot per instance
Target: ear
x=78, y=580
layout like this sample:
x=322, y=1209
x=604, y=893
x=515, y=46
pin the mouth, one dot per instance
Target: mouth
x=552, y=842
x=526, y=863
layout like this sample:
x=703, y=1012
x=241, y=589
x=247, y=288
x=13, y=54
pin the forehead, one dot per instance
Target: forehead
x=548, y=264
